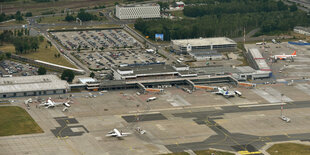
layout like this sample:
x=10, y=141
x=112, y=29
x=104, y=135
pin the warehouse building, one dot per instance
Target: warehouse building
x=32, y=86
x=220, y=44
x=137, y=11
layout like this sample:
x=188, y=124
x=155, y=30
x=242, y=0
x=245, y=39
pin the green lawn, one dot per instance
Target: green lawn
x=43, y=53
x=11, y=23
x=15, y=121
x=52, y=19
x=289, y=149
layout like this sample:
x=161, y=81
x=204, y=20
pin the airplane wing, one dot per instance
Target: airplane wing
x=125, y=133
x=111, y=135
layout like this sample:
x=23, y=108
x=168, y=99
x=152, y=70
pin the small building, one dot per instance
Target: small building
x=302, y=30
x=220, y=44
x=87, y=80
x=32, y=86
x=137, y=11
x=206, y=55
x=179, y=4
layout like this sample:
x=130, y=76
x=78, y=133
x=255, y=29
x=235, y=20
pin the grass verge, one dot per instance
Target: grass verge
x=289, y=149
x=15, y=121
x=202, y=152
x=43, y=54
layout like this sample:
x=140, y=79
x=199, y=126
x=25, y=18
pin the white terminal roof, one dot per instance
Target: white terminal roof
x=204, y=41
x=256, y=53
x=31, y=83
x=86, y=79
x=179, y=3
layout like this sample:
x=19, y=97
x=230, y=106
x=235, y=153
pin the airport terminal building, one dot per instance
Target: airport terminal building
x=220, y=44
x=137, y=11
x=32, y=86
x=157, y=71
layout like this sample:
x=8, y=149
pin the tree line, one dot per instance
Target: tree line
x=21, y=40
x=237, y=6
x=226, y=24
x=82, y=15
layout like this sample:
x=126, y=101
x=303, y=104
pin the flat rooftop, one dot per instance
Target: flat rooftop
x=31, y=83
x=149, y=69
x=213, y=70
x=138, y=5
x=204, y=41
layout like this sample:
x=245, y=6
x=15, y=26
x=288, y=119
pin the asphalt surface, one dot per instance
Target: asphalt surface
x=65, y=128
x=146, y=117
x=234, y=141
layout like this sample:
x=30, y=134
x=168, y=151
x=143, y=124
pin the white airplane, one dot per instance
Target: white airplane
x=49, y=103
x=225, y=93
x=284, y=56
x=116, y=133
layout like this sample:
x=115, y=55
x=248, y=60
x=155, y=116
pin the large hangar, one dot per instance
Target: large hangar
x=32, y=86
x=220, y=44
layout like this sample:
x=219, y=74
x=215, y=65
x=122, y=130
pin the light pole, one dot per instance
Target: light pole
x=282, y=104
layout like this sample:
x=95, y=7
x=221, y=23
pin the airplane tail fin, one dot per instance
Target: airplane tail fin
x=294, y=53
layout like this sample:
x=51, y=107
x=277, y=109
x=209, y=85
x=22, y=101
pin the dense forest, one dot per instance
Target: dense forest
x=227, y=19
x=237, y=6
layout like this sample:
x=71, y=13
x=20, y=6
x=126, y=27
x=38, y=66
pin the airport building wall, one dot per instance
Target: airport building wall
x=32, y=86
x=137, y=11
x=220, y=44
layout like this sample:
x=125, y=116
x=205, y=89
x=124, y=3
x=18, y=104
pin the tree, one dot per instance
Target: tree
x=41, y=71
x=69, y=18
x=293, y=7
x=18, y=16
x=2, y=57
x=8, y=55
x=67, y=75
x=92, y=75
x=163, y=6
x=85, y=16
x=28, y=14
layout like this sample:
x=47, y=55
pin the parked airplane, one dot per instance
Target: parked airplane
x=49, y=103
x=117, y=133
x=225, y=93
x=151, y=99
x=284, y=56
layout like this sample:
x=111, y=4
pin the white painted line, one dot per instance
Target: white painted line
x=260, y=105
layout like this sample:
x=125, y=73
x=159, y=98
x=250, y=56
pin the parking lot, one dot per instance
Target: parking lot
x=104, y=60
x=8, y=68
x=96, y=39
